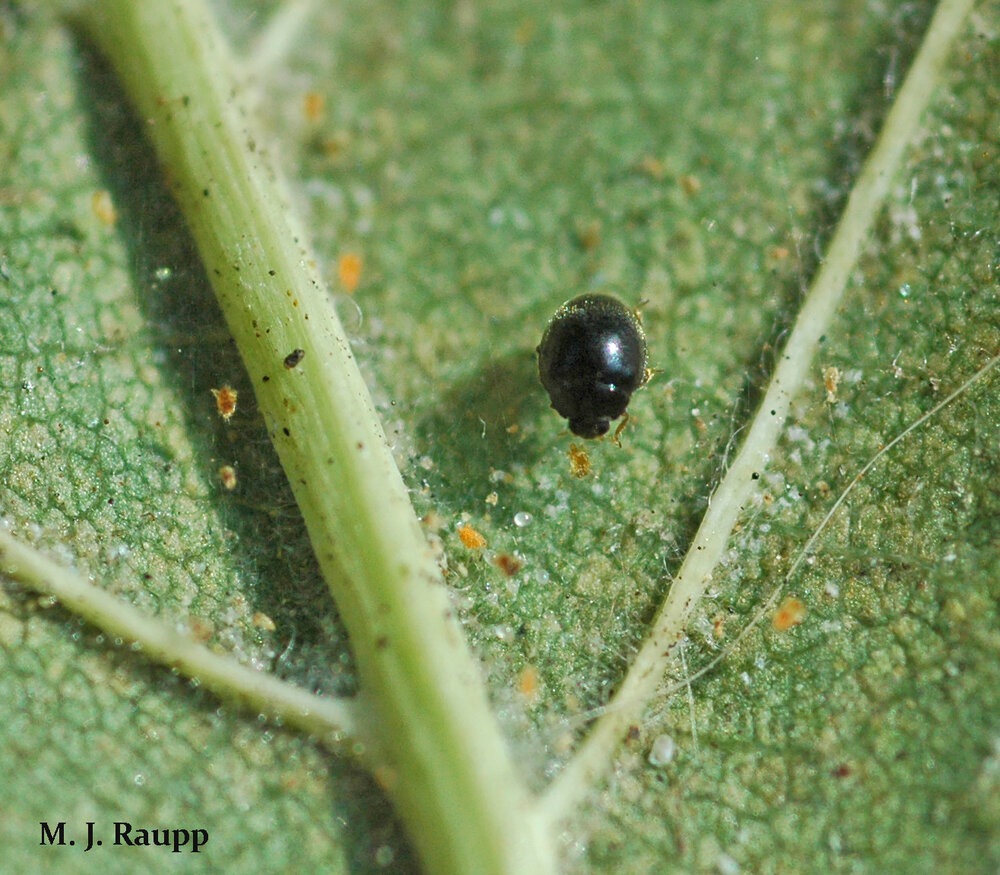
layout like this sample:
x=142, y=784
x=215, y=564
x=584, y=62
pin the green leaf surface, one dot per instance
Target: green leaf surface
x=487, y=162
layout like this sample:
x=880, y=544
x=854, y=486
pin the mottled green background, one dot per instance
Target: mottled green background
x=488, y=161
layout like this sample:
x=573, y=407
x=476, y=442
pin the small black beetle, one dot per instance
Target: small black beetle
x=591, y=359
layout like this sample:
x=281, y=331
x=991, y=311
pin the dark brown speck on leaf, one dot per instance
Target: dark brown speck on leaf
x=294, y=357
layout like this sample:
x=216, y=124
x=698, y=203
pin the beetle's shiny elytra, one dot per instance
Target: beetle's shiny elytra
x=591, y=359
